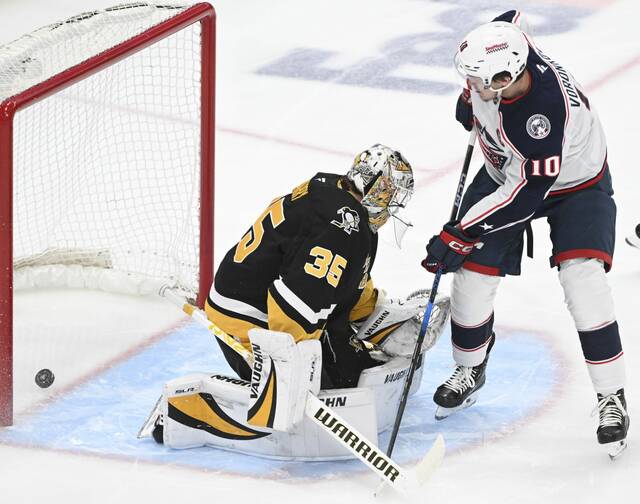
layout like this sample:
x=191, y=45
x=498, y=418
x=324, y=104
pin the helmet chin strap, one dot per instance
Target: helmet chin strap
x=500, y=90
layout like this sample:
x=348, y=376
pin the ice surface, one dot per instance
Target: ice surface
x=301, y=87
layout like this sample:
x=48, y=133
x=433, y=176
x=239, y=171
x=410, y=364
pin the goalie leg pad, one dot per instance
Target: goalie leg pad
x=387, y=382
x=200, y=408
x=283, y=372
x=211, y=410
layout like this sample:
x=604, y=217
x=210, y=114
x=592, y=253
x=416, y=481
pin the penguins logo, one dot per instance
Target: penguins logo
x=350, y=220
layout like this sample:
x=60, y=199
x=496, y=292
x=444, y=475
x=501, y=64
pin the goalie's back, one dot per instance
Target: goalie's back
x=314, y=242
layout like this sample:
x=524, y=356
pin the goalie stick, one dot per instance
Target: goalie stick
x=404, y=480
x=429, y=308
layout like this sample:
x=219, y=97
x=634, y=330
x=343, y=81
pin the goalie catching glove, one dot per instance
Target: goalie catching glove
x=394, y=324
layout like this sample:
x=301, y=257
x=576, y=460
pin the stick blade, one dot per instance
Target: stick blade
x=423, y=470
x=431, y=461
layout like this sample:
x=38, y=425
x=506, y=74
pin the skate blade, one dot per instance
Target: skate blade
x=442, y=412
x=616, y=449
x=635, y=244
x=147, y=427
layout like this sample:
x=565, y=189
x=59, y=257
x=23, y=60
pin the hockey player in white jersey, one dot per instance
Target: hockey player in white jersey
x=545, y=155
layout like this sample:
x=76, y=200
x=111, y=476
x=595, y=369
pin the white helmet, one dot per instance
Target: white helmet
x=384, y=179
x=490, y=49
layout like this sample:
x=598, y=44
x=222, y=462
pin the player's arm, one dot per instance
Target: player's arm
x=532, y=171
x=366, y=303
x=302, y=298
x=536, y=140
x=517, y=200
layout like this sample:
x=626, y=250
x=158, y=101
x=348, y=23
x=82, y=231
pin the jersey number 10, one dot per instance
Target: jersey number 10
x=551, y=167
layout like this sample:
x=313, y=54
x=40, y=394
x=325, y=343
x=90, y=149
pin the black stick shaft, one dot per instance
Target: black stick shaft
x=463, y=176
x=432, y=296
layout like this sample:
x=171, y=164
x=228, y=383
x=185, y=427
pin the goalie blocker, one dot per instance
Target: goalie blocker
x=265, y=416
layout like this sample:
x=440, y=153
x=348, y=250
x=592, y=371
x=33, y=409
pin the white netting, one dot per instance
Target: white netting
x=111, y=164
x=47, y=51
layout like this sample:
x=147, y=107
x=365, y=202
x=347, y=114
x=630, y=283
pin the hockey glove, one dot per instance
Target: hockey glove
x=464, y=110
x=448, y=250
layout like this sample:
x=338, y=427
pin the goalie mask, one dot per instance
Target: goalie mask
x=385, y=180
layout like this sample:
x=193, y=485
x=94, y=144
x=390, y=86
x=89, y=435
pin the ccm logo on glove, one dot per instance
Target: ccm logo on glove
x=464, y=248
x=448, y=250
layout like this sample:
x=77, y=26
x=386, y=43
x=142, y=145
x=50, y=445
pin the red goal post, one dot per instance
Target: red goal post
x=107, y=157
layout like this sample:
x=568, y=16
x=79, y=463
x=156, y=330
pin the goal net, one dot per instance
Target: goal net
x=106, y=157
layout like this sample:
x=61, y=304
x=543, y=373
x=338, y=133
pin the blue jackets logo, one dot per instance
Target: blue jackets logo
x=538, y=126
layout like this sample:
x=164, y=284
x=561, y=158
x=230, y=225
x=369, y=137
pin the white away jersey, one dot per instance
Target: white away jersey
x=546, y=142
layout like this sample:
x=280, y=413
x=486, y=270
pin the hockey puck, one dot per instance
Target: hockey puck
x=44, y=378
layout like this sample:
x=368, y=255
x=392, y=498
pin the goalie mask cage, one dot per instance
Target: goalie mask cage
x=106, y=157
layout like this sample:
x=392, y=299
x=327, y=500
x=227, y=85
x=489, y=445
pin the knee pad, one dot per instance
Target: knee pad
x=283, y=372
x=587, y=293
x=472, y=296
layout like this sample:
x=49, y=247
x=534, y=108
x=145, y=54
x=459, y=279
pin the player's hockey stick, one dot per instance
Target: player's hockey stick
x=403, y=480
x=427, y=313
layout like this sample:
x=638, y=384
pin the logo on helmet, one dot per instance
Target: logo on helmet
x=350, y=220
x=538, y=126
x=496, y=47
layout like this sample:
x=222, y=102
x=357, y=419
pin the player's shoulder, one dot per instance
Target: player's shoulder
x=325, y=196
x=326, y=205
x=534, y=122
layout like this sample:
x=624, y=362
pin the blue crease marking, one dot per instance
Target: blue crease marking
x=104, y=415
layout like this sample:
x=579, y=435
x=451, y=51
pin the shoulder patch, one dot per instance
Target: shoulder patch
x=300, y=191
x=538, y=126
x=349, y=220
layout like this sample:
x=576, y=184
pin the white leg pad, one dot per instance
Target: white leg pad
x=587, y=293
x=196, y=401
x=211, y=410
x=283, y=372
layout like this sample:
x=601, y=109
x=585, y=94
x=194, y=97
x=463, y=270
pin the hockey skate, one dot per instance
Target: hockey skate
x=149, y=427
x=461, y=390
x=634, y=239
x=613, y=423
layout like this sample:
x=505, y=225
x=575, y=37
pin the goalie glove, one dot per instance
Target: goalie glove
x=394, y=324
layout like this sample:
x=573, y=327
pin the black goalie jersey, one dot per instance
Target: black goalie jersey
x=301, y=268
